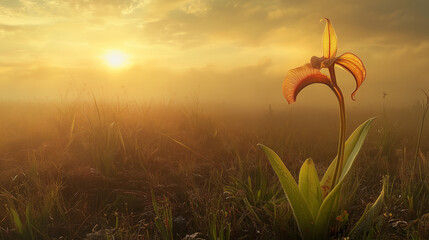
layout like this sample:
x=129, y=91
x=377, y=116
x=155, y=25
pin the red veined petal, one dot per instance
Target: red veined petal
x=298, y=78
x=352, y=64
x=329, y=40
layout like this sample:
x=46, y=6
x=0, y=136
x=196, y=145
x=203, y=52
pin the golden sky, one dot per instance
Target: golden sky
x=221, y=51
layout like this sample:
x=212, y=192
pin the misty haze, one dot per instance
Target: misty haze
x=214, y=119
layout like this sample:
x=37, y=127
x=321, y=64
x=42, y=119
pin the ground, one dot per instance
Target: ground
x=98, y=170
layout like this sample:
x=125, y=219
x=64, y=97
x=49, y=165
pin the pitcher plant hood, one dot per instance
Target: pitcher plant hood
x=298, y=78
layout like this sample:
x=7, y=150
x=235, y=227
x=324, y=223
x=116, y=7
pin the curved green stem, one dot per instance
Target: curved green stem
x=342, y=133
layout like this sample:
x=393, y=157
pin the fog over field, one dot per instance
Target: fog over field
x=169, y=119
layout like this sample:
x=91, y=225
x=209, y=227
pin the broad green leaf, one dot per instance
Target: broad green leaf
x=325, y=211
x=353, y=145
x=371, y=211
x=358, y=137
x=309, y=186
x=297, y=202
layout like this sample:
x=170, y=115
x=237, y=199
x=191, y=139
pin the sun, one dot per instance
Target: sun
x=115, y=58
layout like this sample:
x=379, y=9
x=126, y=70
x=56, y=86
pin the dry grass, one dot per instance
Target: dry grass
x=87, y=169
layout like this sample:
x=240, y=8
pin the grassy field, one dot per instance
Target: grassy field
x=124, y=170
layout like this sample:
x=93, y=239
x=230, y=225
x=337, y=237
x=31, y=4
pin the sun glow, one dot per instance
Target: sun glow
x=115, y=59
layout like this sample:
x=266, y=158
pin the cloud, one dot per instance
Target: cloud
x=9, y=28
x=107, y=7
x=181, y=44
x=199, y=22
x=250, y=22
x=192, y=23
x=246, y=84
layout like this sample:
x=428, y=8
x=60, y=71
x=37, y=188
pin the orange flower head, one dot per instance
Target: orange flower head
x=298, y=78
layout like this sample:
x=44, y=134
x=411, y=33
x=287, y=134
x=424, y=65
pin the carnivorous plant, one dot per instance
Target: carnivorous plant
x=315, y=202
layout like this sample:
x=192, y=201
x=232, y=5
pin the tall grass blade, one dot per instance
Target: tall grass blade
x=371, y=211
x=16, y=221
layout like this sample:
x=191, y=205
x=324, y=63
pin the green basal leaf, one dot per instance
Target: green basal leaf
x=329, y=204
x=296, y=200
x=310, y=187
x=371, y=211
x=325, y=211
x=358, y=138
x=353, y=145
